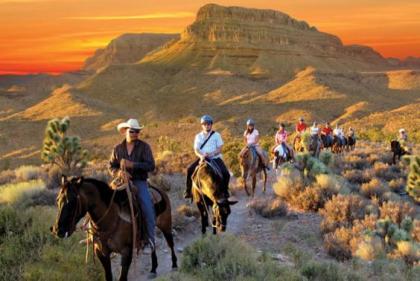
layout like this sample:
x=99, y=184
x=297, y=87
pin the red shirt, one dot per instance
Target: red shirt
x=327, y=131
x=300, y=127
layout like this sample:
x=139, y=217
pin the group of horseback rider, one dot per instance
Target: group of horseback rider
x=133, y=158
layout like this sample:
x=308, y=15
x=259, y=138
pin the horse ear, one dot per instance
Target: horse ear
x=63, y=179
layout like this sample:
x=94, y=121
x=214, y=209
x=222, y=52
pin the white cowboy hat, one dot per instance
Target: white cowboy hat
x=402, y=130
x=131, y=124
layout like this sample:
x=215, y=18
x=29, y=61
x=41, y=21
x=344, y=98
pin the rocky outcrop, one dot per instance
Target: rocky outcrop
x=261, y=42
x=127, y=48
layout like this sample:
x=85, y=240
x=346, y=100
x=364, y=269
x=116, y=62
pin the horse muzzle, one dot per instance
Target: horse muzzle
x=60, y=234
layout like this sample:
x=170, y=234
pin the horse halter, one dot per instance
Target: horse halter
x=77, y=211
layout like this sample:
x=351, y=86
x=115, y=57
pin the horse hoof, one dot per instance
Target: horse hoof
x=152, y=275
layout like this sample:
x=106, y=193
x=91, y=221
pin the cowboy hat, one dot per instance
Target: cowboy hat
x=402, y=130
x=130, y=124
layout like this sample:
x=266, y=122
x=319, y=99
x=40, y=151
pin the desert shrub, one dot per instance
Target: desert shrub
x=329, y=183
x=161, y=181
x=184, y=215
x=396, y=211
x=354, y=176
x=98, y=170
x=372, y=134
x=268, y=208
x=369, y=248
x=385, y=171
x=165, y=143
x=188, y=211
x=315, y=167
x=408, y=251
x=337, y=243
x=356, y=162
x=416, y=230
x=27, y=173
x=21, y=194
x=219, y=258
x=310, y=199
x=288, y=184
x=325, y=271
x=52, y=177
x=397, y=185
x=230, y=155
x=342, y=210
x=7, y=176
x=374, y=188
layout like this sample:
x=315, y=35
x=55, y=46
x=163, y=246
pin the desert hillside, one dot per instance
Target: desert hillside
x=231, y=62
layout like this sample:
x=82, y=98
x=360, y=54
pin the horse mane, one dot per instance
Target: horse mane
x=105, y=191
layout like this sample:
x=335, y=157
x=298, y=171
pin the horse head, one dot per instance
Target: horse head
x=70, y=207
x=221, y=211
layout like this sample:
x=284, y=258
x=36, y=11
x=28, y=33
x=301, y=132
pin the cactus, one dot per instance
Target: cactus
x=64, y=151
x=413, y=177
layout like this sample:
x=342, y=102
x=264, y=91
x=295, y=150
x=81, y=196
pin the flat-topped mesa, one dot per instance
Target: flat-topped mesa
x=262, y=43
x=216, y=23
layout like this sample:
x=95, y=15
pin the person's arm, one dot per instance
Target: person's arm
x=197, y=151
x=148, y=165
x=245, y=139
x=113, y=164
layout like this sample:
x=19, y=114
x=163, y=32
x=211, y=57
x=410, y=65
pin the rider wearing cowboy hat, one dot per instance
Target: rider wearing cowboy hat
x=211, y=150
x=403, y=140
x=133, y=159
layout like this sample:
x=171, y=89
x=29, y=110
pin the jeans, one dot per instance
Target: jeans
x=146, y=206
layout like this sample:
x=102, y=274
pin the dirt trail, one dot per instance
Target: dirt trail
x=243, y=222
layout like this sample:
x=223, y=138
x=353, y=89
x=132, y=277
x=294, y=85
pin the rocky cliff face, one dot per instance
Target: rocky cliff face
x=263, y=42
x=127, y=48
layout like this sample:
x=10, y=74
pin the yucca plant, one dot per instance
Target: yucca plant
x=64, y=151
x=413, y=177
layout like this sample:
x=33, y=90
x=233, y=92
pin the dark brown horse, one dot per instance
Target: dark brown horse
x=209, y=196
x=337, y=145
x=251, y=165
x=397, y=151
x=111, y=223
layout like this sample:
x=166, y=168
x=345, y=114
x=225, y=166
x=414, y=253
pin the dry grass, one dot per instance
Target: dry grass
x=20, y=193
x=268, y=208
x=369, y=249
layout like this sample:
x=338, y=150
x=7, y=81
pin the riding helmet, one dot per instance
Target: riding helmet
x=206, y=119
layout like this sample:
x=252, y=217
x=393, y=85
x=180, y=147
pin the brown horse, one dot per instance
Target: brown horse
x=209, y=196
x=251, y=165
x=111, y=223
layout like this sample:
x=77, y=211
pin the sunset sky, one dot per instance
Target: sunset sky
x=57, y=35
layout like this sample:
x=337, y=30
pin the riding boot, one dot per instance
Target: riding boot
x=190, y=171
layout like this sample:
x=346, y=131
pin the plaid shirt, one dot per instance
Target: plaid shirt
x=141, y=156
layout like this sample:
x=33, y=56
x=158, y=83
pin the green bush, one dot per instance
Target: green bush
x=225, y=257
x=413, y=178
x=231, y=156
x=28, y=251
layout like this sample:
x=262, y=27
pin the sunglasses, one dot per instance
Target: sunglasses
x=134, y=131
x=206, y=124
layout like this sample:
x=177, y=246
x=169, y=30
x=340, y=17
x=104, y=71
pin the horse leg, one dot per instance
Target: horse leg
x=125, y=264
x=265, y=180
x=204, y=217
x=245, y=186
x=154, y=262
x=106, y=264
x=214, y=226
x=170, y=241
x=254, y=183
